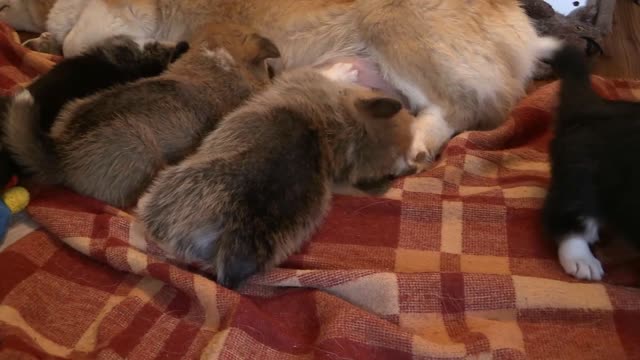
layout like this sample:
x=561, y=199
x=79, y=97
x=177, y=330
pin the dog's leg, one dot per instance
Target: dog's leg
x=570, y=213
x=45, y=43
x=576, y=257
x=430, y=133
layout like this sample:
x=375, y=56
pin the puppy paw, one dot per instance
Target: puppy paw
x=577, y=260
x=342, y=72
x=431, y=133
x=420, y=156
x=424, y=149
x=45, y=43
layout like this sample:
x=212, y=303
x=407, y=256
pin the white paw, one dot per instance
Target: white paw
x=420, y=156
x=342, y=72
x=430, y=133
x=577, y=260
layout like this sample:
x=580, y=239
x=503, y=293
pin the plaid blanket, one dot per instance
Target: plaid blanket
x=449, y=264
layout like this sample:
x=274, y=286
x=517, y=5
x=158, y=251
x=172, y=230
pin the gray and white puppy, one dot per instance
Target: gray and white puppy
x=111, y=145
x=259, y=184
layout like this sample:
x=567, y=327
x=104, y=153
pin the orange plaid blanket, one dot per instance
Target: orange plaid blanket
x=449, y=264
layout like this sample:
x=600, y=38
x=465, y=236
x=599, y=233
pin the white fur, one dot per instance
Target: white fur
x=98, y=21
x=417, y=99
x=576, y=257
x=430, y=132
x=24, y=98
x=222, y=56
x=343, y=72
x=63, y=17
x=546, y=46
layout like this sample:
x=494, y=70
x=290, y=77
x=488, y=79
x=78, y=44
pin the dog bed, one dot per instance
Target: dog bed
x=449, y=264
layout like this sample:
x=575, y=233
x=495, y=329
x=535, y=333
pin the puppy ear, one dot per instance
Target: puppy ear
x=181, y=48
x=379, y=107
x=266, y=49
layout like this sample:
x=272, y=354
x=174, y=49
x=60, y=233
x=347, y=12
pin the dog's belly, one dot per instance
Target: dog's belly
x=369, y=76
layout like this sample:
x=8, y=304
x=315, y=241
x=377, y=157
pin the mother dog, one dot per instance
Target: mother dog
x=459, y=64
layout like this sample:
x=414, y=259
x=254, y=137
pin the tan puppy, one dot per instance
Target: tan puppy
x=260, y=184
x=110, y=145
x=460, y=64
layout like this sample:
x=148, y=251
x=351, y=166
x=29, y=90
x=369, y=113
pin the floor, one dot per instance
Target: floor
x=622, y=46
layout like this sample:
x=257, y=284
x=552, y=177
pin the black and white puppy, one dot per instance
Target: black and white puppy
x=594, y=175
x=117, y=60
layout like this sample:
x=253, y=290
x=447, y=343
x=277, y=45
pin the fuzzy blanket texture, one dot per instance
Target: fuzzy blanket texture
x=449, y=264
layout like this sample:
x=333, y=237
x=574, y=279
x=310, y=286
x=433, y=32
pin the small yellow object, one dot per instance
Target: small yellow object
x=16, y=199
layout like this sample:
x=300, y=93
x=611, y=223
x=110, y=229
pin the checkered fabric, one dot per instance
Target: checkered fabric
x=449, y=264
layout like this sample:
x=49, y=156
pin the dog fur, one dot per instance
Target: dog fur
x=260, y=184
x=594, y=182
x=26, y=15
x=30, y=115
x=111, y=145
x=461, y=65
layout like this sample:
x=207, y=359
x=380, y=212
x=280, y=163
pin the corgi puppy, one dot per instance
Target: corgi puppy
x=260, y=184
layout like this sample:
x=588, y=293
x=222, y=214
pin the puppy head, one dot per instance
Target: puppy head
x=379, y=153
x=248, y=49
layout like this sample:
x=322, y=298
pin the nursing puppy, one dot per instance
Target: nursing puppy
x=460, y=64
x=594, y=180
x=110, y=145
x=29, y=116
x=260, y=184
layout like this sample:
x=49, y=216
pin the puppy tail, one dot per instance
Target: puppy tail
x=237, y=258
x=29, y=147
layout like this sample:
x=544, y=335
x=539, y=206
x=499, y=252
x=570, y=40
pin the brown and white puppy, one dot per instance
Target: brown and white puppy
x=260, y=183
x=460, y=64
x=110, y=145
